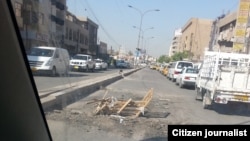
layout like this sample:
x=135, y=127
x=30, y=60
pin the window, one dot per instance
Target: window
x=70, y=34
x=184, y=64
x=41, y=52
x=191, y=71
x=67, y=33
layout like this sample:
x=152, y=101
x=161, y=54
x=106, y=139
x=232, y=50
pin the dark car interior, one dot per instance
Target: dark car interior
x=22, y=117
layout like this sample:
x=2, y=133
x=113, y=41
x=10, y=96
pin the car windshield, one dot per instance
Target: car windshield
x=120, y=61
x=41, y=52
x=80, y=57
x=139, y=92
x=184, y=64
x=98, y=61
x=195, y=71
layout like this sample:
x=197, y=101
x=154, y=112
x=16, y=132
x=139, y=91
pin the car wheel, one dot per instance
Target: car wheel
x=205, y=101
x=176, y=82
x=53, y=72
x=173, y=79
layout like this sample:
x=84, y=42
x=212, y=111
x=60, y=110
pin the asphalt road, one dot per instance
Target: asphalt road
x=45, y=83
x=177, y=104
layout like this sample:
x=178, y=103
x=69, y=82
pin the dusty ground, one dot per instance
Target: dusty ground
x=169, y=105
x=150, y=126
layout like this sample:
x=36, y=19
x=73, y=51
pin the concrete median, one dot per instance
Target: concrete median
x=62, y=96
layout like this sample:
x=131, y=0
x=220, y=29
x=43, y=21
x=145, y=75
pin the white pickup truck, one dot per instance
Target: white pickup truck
x=82, y=62
x=223, y=78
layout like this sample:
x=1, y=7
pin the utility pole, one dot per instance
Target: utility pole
x=111, y=51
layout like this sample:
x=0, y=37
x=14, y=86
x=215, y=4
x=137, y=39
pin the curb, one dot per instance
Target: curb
x=60, y=99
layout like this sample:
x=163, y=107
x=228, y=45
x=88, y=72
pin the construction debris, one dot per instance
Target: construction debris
x=124, y=108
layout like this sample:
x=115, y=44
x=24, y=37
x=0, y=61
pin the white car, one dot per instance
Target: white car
x=176, y=68
x=100, y=64
x=82, y=62
x=187, y=77
x=49, y=60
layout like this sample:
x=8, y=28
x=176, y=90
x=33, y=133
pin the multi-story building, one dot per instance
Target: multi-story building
x=195, y=37
x=40, y=23
x=56, y=26
x=224, y=38
x=174, y=47
x=222, y=33
x=102, y=51
x=49, y=23
x=92, y=29
x=17, y=5
x=76, y=38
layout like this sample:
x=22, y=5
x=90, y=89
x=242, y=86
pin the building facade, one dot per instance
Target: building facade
x=49, y=23
x=40, y=23
x=174, y=47
x=195, y=37
x=76, y=38
x=222, y=35
x=92, y=29
x=102, y=51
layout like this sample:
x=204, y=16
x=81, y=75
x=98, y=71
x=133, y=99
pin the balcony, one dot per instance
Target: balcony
x=58, y=4
x=57, y=20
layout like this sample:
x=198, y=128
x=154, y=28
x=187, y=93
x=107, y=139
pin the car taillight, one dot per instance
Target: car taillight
x=186, y=77
x=176, y=72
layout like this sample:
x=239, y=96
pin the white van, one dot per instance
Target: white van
x=49, y=60
x=176, y=68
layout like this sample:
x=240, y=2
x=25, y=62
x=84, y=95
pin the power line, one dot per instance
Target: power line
x=101, y=25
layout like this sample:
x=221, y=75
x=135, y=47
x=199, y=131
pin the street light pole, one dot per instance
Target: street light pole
x=145, y=54
x=142, y=34
x=147, y=40
x=141, y=18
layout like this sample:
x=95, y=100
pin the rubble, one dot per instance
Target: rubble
x=122, y=108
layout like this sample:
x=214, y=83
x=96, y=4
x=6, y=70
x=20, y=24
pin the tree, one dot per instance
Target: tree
x=164, y=58
x=181, y=55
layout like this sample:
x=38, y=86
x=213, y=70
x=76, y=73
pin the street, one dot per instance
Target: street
x=169, y=105
x=45, y=83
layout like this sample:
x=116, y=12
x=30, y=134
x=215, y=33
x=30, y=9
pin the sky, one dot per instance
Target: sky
x=119, y=24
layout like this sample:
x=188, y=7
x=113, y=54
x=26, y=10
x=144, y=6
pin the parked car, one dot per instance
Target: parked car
x=49, y=60
x=187, y=77
x=122, y=64
x=165, y=70
x=176, y=68
x=153, y=66
x=82, y=62
x=100, y=64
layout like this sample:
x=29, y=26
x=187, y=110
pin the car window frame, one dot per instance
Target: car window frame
x=23, y=117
